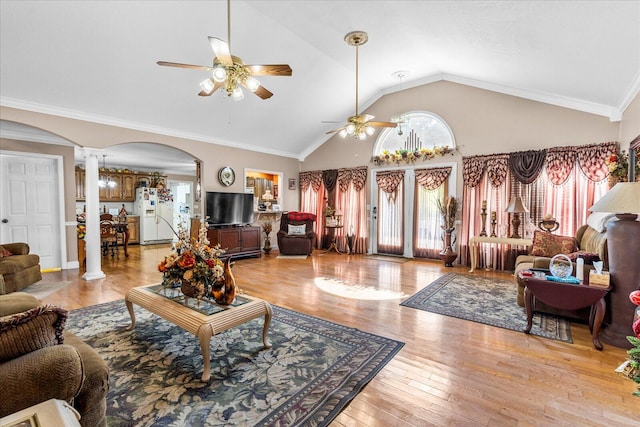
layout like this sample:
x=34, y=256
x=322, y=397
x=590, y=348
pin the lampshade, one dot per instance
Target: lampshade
x=516, y=205
x=624, y=197
x=219, y=74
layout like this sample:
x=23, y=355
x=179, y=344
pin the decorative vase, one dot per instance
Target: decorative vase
x=267, y=245
x=224, y=290
x=448, y=255
x=351, y=241
x=191, y=289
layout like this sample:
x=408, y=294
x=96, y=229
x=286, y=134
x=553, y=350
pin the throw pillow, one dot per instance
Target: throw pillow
x=297, y=230
x=599, y=220
x=548, y=245
x=4, y=252
x=31, y=330
x=589, y=257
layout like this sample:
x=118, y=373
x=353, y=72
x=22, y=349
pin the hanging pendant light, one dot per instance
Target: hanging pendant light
x=105, y=180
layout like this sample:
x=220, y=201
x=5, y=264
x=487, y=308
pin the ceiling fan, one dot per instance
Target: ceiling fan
x=359, y=125
x=229, y=72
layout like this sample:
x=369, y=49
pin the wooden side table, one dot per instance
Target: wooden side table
x=567, y=296
x=332, y=232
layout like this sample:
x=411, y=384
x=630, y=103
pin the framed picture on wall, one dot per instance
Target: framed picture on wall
x=292, y=183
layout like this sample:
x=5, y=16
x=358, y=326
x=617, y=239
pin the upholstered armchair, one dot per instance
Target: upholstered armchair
x=18, y=267
x=39, y=361
x=296, y=235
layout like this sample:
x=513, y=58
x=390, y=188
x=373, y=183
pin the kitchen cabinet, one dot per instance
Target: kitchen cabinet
x=237, y=241
x=111, y=194
x=128, y=189
x=133, y=225
x=80, y=182
x=126, y=184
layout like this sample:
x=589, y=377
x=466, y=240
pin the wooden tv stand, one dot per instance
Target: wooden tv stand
x=238, y=241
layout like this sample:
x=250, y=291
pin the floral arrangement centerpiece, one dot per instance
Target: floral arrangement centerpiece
x=632, y=366
x=618, y=164
x=193, y=264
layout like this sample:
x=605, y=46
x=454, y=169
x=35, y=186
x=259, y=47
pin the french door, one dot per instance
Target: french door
x=405, y=220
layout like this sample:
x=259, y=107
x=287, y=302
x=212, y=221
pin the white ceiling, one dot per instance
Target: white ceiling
x=96, y=60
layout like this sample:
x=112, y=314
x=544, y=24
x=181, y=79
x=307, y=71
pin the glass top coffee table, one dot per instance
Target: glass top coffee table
x=203, y=318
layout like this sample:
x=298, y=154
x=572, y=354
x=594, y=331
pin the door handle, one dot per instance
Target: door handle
x=5, y=220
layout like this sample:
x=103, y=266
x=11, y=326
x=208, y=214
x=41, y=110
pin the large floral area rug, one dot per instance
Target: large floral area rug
x=314, y=369
x=488, y=301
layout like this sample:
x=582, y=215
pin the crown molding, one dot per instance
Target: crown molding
x=110, y=121
x=633, y=91
x=32, y=137
x=614, y=114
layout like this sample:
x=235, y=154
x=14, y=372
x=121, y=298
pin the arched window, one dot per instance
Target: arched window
x=418, y=132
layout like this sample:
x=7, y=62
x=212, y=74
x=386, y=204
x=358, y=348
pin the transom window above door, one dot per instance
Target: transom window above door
x=416, y=131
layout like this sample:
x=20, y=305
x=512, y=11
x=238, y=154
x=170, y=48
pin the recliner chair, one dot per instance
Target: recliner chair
x=294, y=240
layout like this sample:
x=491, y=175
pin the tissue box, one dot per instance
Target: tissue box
x=600, y=280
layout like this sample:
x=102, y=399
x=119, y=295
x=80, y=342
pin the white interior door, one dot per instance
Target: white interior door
x=30, y=210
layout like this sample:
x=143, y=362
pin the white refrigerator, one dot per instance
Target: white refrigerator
x=156, y=215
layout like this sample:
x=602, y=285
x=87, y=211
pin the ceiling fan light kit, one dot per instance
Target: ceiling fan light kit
x=359, y=126
x=230, y=73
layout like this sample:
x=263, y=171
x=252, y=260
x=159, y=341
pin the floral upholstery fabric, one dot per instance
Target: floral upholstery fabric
x=548, y=245
x=589, y=257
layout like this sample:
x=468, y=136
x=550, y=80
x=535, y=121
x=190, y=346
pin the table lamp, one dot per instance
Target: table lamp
x=623, y=243
x=516, y=207
x=268, y=198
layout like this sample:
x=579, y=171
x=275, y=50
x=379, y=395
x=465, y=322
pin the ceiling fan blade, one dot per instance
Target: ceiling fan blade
x=263, y=93
x=221, y=50
x=176, y=64
x=270, y=70
x=382, y=124
x=216, y=86
x=334, y=130
x=363, y=118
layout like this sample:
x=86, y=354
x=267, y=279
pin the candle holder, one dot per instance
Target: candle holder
x=494, y=223
x=483, y=215
x=549, y=225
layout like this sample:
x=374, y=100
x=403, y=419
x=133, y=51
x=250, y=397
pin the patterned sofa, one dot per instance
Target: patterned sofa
x=18, y=268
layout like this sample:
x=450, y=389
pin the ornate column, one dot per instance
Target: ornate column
x=92, y=238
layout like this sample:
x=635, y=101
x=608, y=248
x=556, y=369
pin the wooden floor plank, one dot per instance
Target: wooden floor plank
x=450, y=371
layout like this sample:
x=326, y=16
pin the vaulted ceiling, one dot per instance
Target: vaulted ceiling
x=96, y=60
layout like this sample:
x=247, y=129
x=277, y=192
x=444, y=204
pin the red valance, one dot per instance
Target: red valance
x=388, y=181
x=560, y=163
x=432, y=178
x=592, y=159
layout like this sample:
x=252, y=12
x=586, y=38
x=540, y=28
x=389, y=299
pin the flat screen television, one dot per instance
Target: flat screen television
x=229, y=208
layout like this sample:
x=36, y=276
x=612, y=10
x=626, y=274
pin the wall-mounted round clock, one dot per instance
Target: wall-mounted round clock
x=226, y=176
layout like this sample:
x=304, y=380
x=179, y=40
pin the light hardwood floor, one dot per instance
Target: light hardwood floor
x=450, y=371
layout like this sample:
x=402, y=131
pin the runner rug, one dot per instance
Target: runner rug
x=488, y=301
x=314, y=369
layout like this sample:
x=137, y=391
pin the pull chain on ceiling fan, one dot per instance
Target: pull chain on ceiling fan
x=229, y=72
x=359, y=125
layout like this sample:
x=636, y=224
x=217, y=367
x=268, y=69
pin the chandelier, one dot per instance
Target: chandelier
x=105, y=180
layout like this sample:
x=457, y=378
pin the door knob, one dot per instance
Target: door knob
x=5, y=220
